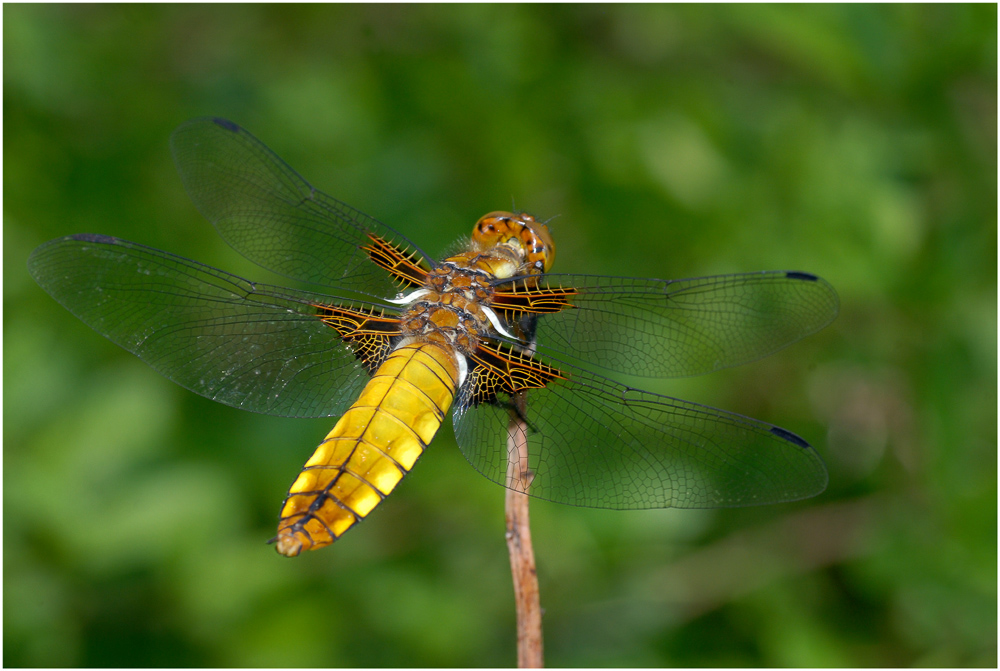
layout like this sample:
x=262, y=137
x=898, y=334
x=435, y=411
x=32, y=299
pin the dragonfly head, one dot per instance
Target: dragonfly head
x=521, y=231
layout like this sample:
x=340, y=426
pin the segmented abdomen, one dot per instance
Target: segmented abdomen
x=371, y=448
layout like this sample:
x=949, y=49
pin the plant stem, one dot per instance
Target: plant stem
x=522, y=556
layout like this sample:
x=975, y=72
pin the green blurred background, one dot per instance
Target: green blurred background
x=855, y=142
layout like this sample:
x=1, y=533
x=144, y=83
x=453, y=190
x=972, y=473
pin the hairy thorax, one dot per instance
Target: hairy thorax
x=453, y=306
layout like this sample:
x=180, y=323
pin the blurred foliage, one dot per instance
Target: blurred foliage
x=855, y=142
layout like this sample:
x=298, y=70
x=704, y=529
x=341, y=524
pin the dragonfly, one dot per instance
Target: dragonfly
x=397, y=339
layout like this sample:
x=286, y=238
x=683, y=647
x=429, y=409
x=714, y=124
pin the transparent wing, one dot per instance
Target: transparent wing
x=274, y=217
x=247, y=345
x=676, y=328
x=595, y=443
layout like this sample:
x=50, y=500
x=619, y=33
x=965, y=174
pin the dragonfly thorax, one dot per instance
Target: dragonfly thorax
x=452, y=307
x=472, y=332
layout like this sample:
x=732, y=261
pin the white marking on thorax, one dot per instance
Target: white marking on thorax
x=409, y=298
x=492, y=316
x=463, y=368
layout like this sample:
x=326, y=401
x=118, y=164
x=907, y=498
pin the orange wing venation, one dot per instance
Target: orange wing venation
x=526, y=297
x=270, y=214
x=248, y=345
x=371, y=448
x=405, y=266
x=676, y=328
x=501, y=369
x=593, y=442
x=597, y=443
x=368, y=331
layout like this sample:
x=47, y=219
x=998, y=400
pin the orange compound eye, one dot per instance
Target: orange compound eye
x=493, y=229
x=532, y=236
x=486, y=226
x=542, y=248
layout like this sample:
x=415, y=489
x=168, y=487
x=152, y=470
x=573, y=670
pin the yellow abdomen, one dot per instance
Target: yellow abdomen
x=371, y=448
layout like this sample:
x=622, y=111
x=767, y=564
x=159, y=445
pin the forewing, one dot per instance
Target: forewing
x=247, y=345
x=274, y=217
x=595, y=443
x=675, y=328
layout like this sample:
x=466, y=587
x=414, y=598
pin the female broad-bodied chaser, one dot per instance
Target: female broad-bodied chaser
x=489, y=332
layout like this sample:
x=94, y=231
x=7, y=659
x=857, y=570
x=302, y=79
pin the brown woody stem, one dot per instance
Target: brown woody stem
x=522, y=556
